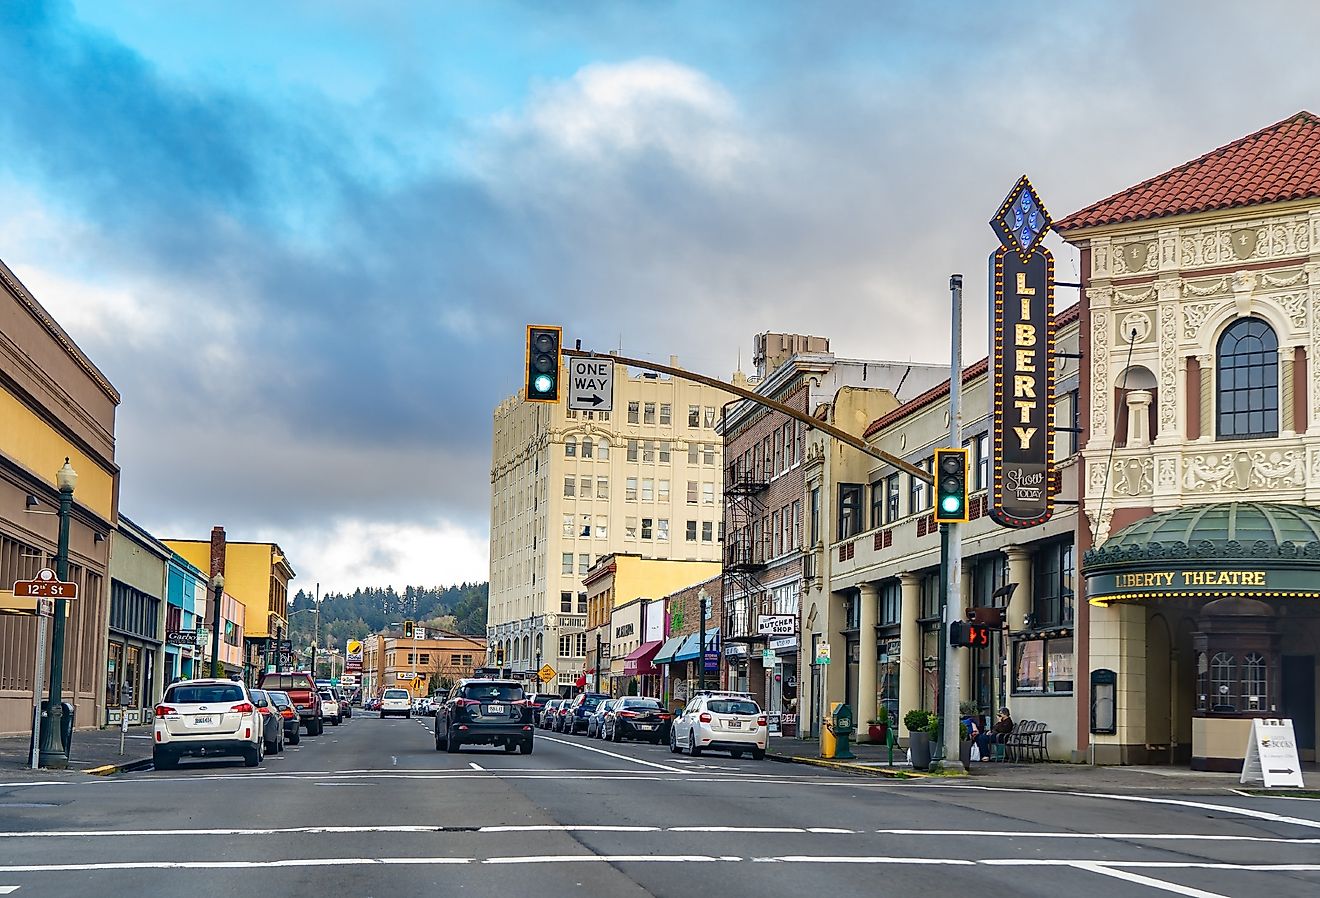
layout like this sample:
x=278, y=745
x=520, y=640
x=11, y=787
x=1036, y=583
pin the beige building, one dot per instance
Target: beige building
x=1201, y=310
x=569, y=487
x=421, y=665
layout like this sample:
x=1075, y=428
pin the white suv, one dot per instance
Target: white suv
x=207, y=718
x=395, y=701
x=726, y=722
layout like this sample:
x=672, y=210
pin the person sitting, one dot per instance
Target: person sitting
x=997, y=734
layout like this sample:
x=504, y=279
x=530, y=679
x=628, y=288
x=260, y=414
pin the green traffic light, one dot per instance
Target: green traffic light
x=951, y=504
x=543, y=383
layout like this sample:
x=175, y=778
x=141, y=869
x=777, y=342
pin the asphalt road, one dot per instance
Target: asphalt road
x=371, y=809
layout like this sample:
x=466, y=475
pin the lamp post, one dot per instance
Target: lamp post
x=218, y=587
x=53, y=753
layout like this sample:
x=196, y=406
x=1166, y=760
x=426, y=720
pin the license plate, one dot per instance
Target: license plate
x=734, y=724
x=645, y=726
x=203, y=721
x=495, y=709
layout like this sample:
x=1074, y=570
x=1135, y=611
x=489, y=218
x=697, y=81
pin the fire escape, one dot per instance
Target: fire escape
x=744, y=556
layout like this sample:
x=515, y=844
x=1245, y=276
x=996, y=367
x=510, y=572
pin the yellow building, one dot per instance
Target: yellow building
x=256, y=574
x=54, y=404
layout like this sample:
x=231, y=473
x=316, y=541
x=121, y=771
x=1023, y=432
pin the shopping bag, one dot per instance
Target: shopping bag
x=976, y=752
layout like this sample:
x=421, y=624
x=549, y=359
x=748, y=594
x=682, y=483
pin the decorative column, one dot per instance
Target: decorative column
x=1168, y=291
x=1207, y=363
x=1019, y=572
x=1138, y=419
x=869, y=599
x=909, y=646
x=1287, y=391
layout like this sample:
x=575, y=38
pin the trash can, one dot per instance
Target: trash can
x=838, y=727
x=66, y=728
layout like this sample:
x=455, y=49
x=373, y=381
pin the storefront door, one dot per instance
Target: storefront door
x=1298, y=700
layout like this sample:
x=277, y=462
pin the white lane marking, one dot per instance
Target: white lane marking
x=742, y=829
x=394, y=761
x=868, y=859
x=475, y=766
x=8, y=890
x=569, y=828
x=341, y=785
x=1176, y=802
x=1149, y=881
x=612, y=859
x=601, y=751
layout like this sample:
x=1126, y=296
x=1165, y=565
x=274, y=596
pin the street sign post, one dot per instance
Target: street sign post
x=590, y=384
x=546, y=674
x=45, y=586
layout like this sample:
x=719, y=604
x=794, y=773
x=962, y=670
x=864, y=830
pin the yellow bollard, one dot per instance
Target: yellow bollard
x=828, y=744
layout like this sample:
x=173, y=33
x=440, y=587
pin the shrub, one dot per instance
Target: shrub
x=917, y=720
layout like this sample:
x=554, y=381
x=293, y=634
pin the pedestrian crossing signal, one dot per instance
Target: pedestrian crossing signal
x=961, y=633
x=543, y=344
x=951, y=486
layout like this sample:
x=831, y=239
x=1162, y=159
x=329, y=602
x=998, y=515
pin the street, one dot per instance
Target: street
x=371, y=809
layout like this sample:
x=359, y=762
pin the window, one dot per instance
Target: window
x=567, y=566
x=648, y=452
x=692, y=453
x=662, y=491
x=584, y=565
x=566, y=645
x=850, y=510
x=602, y=488
x=707, y=532
x=570, y=487
x=691, y=492
x=1043, y=666
x=632, y=450
x=630, y=528
x=648, y=413
x=983, y=459
x=665, y=447
x=919, y=491
x=708, y=494
x=1254, y=682
x=815, y=515
x=666, y=413
x=587, y=446
x=931, y=599
x=633, y=409
x=691, y=533
x=584, y=527
x=647, y=527
x=891, y=603
x=1053, y=595
x=892, y=499
x=1223, y=682
x=602, y=526
x=710, y=416
x=648, y=490
x=797, y=523
x=570, y=447
x=1248, y=389
x=777, y=536
x=662, y=530
x=582, y=603
x=694, y=416
x=582, y=645
x=584, y=488
x=877, y=503
x=603, y=450
x=630, y=489
x=708, y=454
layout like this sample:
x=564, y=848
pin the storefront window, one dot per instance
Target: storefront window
x=1254, y=682
x=1223, y=682
x=113, y=665
x=1054, y=584
x=1043, y=666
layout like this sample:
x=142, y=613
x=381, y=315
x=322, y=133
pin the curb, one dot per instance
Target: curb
x=883, y=772
x=122, y=767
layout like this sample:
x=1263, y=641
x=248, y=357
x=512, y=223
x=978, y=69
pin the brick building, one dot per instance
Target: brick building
x=679, y=657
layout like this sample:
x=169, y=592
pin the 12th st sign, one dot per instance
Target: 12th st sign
x=590, y=384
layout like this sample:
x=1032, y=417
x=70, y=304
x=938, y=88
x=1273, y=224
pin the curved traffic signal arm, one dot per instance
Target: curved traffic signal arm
x=951, y=486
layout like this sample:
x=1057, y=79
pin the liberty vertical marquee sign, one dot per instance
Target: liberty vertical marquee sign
x=1022, y=363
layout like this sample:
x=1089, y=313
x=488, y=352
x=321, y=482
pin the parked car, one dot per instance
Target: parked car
x=537, y=702
x=489, y=712
x=330, y=708
x=395, y=702
x=636, y=717
x=562, y=714
x=731, y=723
x=301, y=688
x=596, y=719
x=583, y=704
x=548, y=712
x=288, y=716
x=206, y=718
x=272, y=725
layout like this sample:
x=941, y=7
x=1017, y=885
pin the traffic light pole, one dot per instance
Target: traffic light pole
x=951, y=556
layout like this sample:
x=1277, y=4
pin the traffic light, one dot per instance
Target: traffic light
x=951, y=486
x=965, y=634
x=408, y=629
x=543, y=362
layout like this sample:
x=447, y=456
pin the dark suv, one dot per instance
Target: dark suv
x=582, y=705
x=486, y=712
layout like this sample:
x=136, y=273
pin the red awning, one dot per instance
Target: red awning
x=637, y=663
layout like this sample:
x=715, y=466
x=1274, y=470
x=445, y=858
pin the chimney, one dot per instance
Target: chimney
x=217, y=551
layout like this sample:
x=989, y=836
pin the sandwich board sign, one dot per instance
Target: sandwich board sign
x=590, y=384
x=1272, y=755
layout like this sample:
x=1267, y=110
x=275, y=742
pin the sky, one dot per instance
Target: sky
x=303, y=238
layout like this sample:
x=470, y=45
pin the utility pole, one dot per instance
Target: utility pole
x=52, y=753
x=316, y=633
x=598, y=661
x=951, y=542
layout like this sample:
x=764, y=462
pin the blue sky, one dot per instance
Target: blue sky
x=302, y=238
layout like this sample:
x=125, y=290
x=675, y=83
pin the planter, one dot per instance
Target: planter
x=919, y=747
x=877, y=733
x=965, y=754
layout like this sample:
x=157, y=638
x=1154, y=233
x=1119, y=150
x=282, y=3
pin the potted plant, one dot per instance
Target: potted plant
x=878, y=728
x=918, y=723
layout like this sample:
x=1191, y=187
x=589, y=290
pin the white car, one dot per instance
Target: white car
x=724, y=722
x=330, y=711
x=395, y=701
x=207, y=718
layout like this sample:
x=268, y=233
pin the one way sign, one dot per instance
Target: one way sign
x=590, y=384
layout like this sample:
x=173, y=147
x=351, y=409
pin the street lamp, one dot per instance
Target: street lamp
x=53, y=753
x=217, y=586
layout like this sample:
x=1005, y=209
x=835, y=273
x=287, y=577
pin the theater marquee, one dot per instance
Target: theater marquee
x=1022, y=363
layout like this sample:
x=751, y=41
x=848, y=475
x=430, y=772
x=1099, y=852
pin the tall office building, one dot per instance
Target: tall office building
x=568, y=487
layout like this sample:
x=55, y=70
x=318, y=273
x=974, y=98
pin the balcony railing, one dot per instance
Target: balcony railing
x=743, y=557
x=740, y=480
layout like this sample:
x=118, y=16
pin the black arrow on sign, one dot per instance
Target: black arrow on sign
x=1281, y=771
x=594, y=400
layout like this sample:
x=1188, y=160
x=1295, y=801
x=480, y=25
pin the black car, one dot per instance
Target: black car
x=537, y=702
x=485, y=712
x=576, y=717
x=288, y=713
x=635, y=717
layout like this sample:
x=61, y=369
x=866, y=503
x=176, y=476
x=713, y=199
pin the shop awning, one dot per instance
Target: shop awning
x=666, y=652
x=637, y=663
x=691, y=648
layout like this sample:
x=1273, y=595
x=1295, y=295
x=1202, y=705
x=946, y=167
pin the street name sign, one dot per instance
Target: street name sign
x=546, y=674
x=1272, y=755
x=45, y=586
x=590, y=384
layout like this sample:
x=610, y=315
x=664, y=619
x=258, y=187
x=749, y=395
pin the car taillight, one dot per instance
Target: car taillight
x=467, y=702
x=629, y=714
x=242, y=708
x=704, y=718
x=760, y=721
x=287, y=713
x=665, y=716
x=165, y=711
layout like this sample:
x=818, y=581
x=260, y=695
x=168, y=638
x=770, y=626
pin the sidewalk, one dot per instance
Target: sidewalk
x=873, y=760
x=94, y=751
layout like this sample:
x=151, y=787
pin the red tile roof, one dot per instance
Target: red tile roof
x=970, y=373
x=1281, y=162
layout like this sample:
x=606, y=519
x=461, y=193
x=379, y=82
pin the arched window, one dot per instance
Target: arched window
x=1255, y=684
x=586, y=447
x=1248, y=391
x=1223, y=682
x=570, y=447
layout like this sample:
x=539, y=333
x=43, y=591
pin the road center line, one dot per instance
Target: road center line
x=601, y=751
